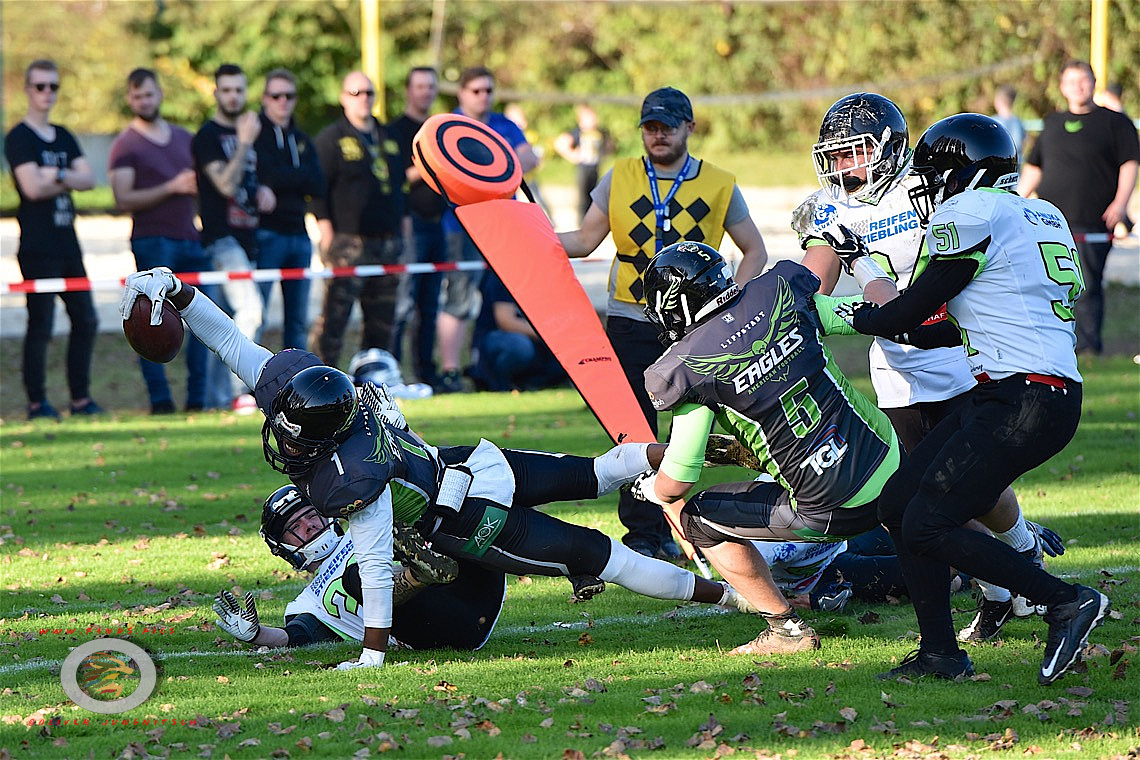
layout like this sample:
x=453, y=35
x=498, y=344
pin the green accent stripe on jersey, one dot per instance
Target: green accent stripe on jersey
x=751, y=434
x=874, y=485
x=408, y=502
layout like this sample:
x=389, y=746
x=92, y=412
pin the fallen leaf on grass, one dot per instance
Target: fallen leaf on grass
x=849, y=714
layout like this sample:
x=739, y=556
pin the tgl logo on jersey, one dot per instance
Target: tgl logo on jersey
x=829, y=453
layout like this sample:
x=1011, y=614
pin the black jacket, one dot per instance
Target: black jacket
x=287, y=163
x=365, y=181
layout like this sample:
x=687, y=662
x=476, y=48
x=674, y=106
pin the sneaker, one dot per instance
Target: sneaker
x=43, y=411
x=988, y=622
x=586, y=587
x=832, y=598
x=162, y=407
x=244, y=405
x=1069, y=628
x=919, y=664
x=450, y=381
x=426, y=565
x=783, y=636
x=669, y=549
x=86, y=409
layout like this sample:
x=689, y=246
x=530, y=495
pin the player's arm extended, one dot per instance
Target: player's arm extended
x=685, y=455
x=939, y=282
x=371, y=531
x=218, y=333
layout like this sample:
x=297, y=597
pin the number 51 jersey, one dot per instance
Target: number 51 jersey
x=761, y=366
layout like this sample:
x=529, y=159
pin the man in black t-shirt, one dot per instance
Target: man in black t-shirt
x=1085, y=163
x=47, y=165
x=420, y=292
x=230, y=202
x=361, y=221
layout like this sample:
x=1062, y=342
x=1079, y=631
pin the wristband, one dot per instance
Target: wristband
x=865, y=269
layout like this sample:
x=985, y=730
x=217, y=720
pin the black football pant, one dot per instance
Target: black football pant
x=1004, y=429
x=530, y=542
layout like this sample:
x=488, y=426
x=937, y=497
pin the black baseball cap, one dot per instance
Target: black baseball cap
x=667, y=105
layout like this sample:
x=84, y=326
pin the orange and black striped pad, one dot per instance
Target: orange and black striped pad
x=464, y=160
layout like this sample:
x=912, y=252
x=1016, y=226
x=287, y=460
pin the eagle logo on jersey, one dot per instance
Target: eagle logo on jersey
x=760, y=361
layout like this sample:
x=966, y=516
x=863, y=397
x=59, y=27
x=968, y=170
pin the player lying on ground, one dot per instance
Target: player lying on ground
x=351, y=453
x=457, y=614
x=1007, y=271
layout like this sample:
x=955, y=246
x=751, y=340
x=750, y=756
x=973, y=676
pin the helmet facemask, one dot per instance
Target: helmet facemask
x=309, y=418
x=295, y=531
x=685, y=283
x=877, y=155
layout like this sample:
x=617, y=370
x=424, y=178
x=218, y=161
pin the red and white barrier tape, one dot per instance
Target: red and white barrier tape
x=73, y=284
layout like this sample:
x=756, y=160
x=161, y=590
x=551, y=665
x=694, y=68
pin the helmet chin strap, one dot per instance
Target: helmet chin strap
x=320, y=547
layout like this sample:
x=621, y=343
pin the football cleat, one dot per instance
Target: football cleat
x=919, y=664
x=586, y=587
x=784, y=635
x=988, y=622
x=1069, y=628
x=722, y=450
x=426, y=566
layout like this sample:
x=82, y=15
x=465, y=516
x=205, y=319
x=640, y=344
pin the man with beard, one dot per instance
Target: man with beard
x=649, y=203
x=231, y=202
x=152, y=176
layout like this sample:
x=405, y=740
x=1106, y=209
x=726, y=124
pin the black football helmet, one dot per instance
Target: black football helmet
x=282, y=515
x=872, y=130
x=685, y=283
x=961, y=153
x=310, y=416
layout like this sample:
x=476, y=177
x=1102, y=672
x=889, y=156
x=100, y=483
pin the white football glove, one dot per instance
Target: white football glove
x=237, y=619
x=383, y=404
x=369, y=658
x=644, y=488
x=156, y=284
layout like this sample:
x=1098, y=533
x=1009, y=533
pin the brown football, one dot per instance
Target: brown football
x=157, y=343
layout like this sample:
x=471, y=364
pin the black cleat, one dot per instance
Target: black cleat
x=988, y=622
x=1069, y=628
x=919, y=664
x=586, y=587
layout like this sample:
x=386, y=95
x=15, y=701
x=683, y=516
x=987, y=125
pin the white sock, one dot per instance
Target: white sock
x=993, y=593
x=1019, y=537
x=647, y=576
x=620, y=465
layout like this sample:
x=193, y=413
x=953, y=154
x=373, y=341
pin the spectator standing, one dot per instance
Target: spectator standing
x=1004, y=96
x=1085, y=163
x=47, y=164
x=649, y=203
x=585, y=146
x=426, y=207
x=152, y=176
x=361, y=220
x=476, y=97
x=230, y=203
x=507, y=352
x=286, y=164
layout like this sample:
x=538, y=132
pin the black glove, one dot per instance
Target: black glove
x=1051, y=543
x=848, y=249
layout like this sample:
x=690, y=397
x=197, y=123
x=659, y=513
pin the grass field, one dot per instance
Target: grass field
x=131, y=520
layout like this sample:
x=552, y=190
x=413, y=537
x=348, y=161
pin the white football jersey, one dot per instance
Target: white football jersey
x=902, y=375
x=325, y=598
x=1016, y=315
x=797, y=565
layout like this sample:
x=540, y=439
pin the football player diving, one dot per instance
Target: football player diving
x=862, y=160
x=456, y=611
x=351, y=453
x=1007, y=269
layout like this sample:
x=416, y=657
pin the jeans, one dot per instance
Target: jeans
x=180, y=256
x=244, y=304
x=420, y=293
x=280, y=251
x=511, y=360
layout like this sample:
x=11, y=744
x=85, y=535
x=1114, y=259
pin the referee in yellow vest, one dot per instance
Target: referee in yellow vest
x=647, y=203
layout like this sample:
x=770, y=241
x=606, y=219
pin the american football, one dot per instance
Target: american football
x=157, y=343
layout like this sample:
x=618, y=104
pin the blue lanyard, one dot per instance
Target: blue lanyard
x=661, y=207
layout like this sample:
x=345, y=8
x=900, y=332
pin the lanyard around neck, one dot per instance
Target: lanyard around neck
x=661, y=207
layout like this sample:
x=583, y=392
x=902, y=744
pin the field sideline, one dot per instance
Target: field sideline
x=137, y=520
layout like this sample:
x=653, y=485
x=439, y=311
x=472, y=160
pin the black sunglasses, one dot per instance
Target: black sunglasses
x=280, y=95
x=366, y=93
x=481, y=90
x=41, y=86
